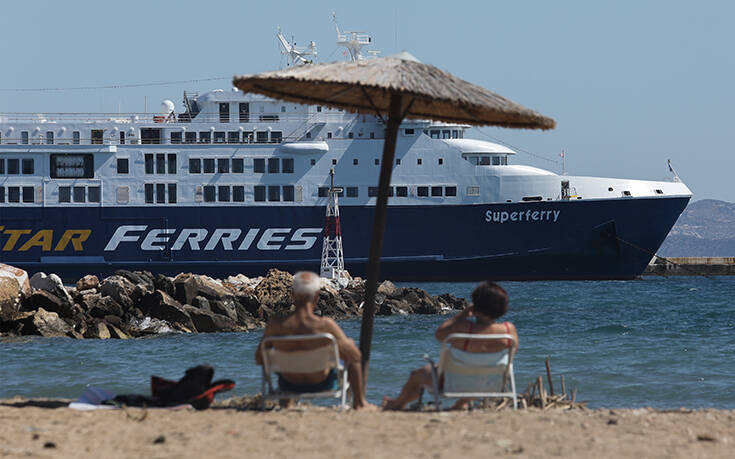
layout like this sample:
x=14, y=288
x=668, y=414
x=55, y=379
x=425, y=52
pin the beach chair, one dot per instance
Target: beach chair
x=325, y=357
x=472, y=374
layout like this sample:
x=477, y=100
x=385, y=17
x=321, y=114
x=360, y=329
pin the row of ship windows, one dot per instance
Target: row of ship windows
x=16, y=166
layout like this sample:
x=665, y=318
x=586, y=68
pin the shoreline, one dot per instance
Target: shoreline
x=311, y=431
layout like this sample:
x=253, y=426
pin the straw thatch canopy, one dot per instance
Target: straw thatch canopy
x=366, y=86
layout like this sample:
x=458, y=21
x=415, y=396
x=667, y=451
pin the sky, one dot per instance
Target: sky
x=629, y=83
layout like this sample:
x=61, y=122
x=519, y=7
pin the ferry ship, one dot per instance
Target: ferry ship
x=238, y=183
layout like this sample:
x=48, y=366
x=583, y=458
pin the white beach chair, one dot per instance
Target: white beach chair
x=473, y=374
x=322, y=358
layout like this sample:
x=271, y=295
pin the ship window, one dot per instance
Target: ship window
x=195, y=166
x=626, y=193
x=172, y=163
x=659, y=191
x=28, y=193
x=402, y=191
x=408, y=131
x=123, y=194
x=484, y=161
x=259, y=165
x=244, y=112
x=308, y=135
x=238, y=193
x=223, y=165
x=261, y=136
x=13, y=166
x=274, y=193
x=96, y=136
x=418, y=161
x=441, y=161
x=172, y=193
x=27, y=166
x=435, y=133
x=160, y=193
x=436, y=191
x=149, y=163
x=75, y=136
x=276, y=136
x=175, y=137
x=24, y=141
x=496, y=160
x=334, y=162
x=2, y=194
x=71, y=166
x=352, y=191
x=446, y=134
x=13, y=194
x=209, y=193
x=2, y=165
x=329, y=135
x=350, y=135
x=319, y=108
x=372, y=135
x=149, y=193
x=205, y=137
x=473, y=191
x=283, y=109
x=450, y=191
x=224, y=112
x=422, y=191
x=269, y=118
x=209, y=165
x=287, y=166
x=372, y=191
x=233, y=137
x=190, y=137
x=274, y=165
x=377, y=162
x=80, y=194
x=64, y=194
x=288, y=193
x=455, y=134
x=323, y=191
x=313, y=162
x=160, y=163
x=355, y=162
x=94, y=194
x=398, y=161
x=49, y=137
x=259, y=193
x=219, y=137
x=223, y=193
x=504, y=160
x=238, y=165
x=122, y=137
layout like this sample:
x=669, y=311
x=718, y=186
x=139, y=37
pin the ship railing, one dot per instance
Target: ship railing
x=39, y=119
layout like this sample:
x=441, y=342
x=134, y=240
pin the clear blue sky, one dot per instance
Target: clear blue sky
x=630, y=83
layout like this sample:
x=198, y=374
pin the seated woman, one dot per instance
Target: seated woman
x=489, y=303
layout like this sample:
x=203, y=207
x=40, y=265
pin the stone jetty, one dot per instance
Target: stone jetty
x=132, y=304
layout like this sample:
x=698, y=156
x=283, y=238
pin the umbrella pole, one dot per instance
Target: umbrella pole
x=376, y=241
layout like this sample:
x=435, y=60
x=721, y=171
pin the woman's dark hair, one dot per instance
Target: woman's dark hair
x=490, y=299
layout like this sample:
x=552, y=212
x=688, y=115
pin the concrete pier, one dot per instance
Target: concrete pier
x=691, y=266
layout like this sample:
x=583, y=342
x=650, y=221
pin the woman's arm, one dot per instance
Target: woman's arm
x=449, y=325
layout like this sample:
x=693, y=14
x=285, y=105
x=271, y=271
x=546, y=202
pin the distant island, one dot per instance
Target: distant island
x=706, y=228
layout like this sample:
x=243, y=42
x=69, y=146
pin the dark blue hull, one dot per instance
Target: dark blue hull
x=578, y=239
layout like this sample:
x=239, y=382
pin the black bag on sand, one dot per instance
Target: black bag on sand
x=195, y=388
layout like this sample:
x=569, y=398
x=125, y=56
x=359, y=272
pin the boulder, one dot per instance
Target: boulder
x=330, y=304
x=50, y=302
x=225, y=307
x=188, y=286
x=387, y=288
x=250, y=303
x=88, y=282
x=201, y=303
x=160, y=305
x=52, y=284
x=119, y=289
x=10, y=296
x=165, y=284
x=116, y=333
x=48, y=324
x=209, y=322
x=98, y=330
x=142, y=278
x=451, y=302
x=105, y=306
x=274, y=291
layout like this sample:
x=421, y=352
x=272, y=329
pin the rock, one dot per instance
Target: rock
x=274, y=291
x=201, y=303
x=48, y=324
x=208, y=322
x=105, y=306
x=250, y=303
x=453, y=302
x=187, y=286
x=142, y=278
x=225, y=307
x=330, y=304
x=164, y=284
x=98, y=330
x=387, y=288
x=10, y=296
x=50, y=302
x=52, y=284
x=88, y=282
x=116, y=333
x=160, y=305
x=119, y=289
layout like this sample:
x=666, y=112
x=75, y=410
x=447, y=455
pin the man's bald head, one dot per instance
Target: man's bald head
x=306, y=287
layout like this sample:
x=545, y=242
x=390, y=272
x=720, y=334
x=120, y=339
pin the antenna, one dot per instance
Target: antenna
x=333, y=262
x=353, y=41
x=671, y=169
x=297, y=55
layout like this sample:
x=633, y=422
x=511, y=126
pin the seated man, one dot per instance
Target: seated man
x=489, y=303
x=303, y=321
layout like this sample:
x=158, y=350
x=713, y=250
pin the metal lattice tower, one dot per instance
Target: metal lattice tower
x=333, y=261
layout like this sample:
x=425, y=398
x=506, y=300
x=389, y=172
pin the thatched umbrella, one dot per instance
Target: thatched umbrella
x=399, y=88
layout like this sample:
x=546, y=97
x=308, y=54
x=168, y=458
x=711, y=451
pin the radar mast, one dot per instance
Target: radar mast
x=297, y=55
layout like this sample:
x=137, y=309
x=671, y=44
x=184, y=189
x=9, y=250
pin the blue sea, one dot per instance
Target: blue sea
x=660, y=342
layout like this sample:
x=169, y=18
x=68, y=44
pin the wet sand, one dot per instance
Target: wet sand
x=48, y=429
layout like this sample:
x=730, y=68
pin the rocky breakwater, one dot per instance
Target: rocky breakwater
x=138, y=303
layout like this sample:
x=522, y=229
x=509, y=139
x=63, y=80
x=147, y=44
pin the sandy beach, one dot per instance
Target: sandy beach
x=48, y=429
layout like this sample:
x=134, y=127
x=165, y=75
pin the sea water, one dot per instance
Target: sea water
x=660, y=342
